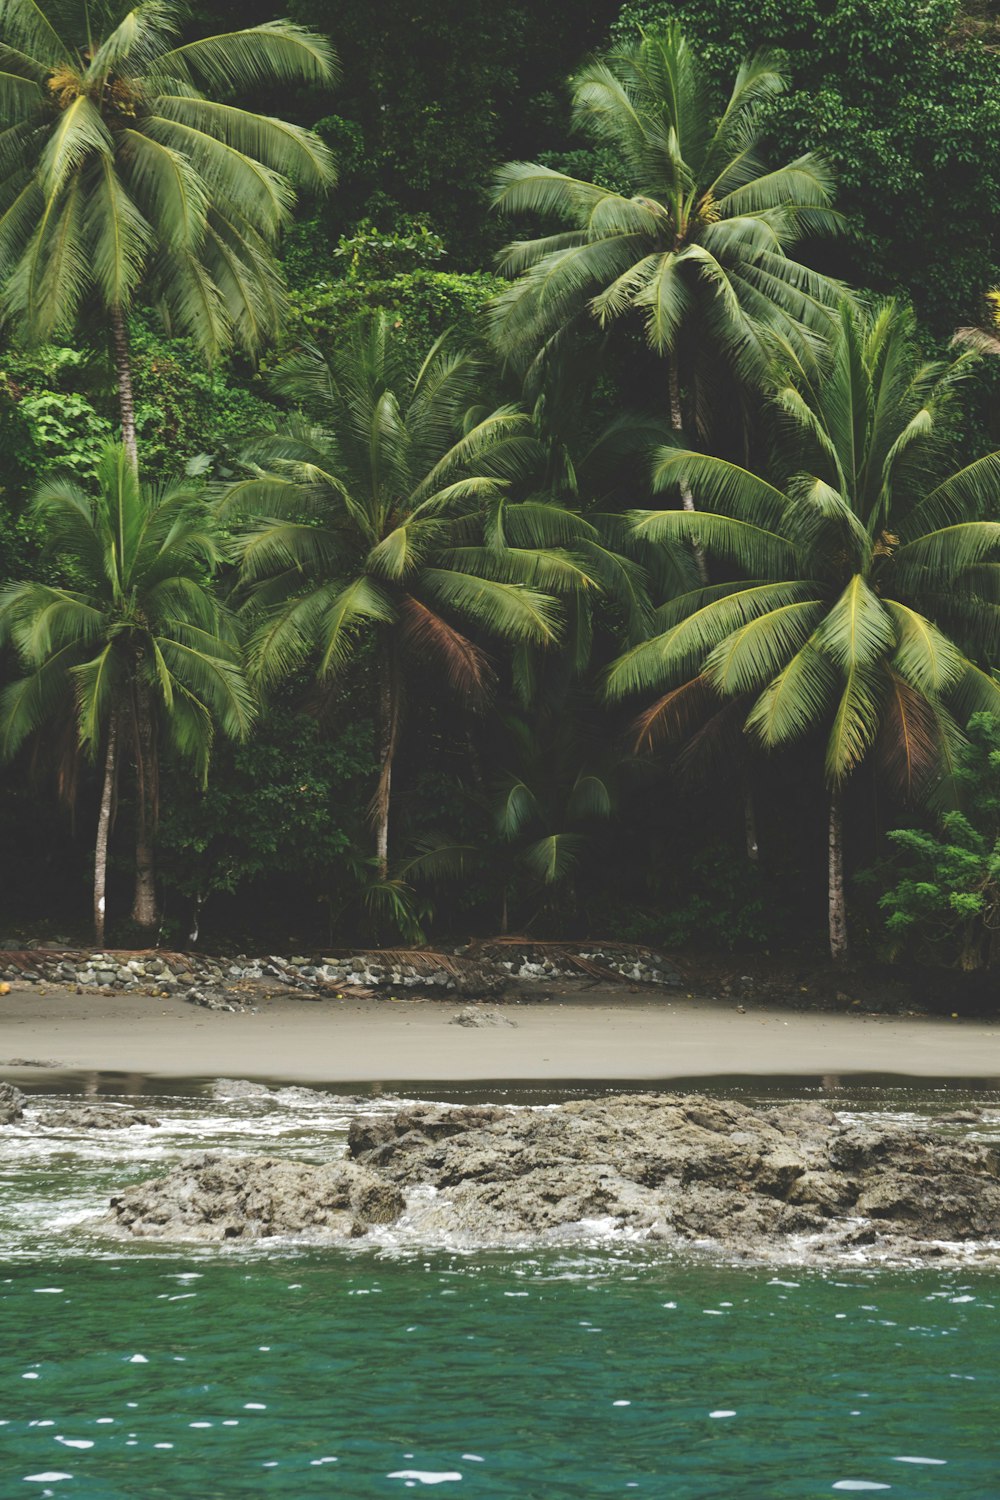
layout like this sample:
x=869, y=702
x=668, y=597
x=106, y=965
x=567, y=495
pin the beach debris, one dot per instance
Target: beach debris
x=475, y=1015
x=220, y=1000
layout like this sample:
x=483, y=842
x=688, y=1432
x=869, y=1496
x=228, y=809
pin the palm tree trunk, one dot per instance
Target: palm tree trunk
x=144, y=898
x=103, y=830
x=388, y=733
x=837, y=904
x=123, y=370
x=677, y=423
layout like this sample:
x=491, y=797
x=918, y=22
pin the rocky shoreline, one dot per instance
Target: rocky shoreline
x=220, y=983
x=792, y=1183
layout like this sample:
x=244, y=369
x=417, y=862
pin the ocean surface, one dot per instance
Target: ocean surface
x=591, y=1368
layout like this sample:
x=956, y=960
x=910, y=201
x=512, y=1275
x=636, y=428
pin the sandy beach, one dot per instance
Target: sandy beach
x=606, y=1036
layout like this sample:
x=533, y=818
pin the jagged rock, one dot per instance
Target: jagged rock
x=12, y=1103
x=474, y=1015
x=791, y=1182
x=686, y=1169
x=95, y=1117
x=214, y=1197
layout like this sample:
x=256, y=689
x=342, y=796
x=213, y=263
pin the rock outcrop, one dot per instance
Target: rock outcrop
x=17, y=1109
x=12, y=1103
x=93, y=1117
x=215, y=1197
x=791, y=1182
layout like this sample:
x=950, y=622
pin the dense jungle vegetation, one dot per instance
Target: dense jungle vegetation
x=475, y=468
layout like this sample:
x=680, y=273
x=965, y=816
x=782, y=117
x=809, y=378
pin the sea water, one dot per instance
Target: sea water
x=587, y=1369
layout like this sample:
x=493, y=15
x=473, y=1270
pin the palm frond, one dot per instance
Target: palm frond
x=508, y=610
x=361, y=602
x=277, y=52
x=466, y=664
x=928, y=660
x=936, y=559
x=284, y=149
x=796, y=701
x=118, y=237
x=682, y=650
x=760, y=649
x=166, y=187
x=908, y=750
x=757, y=551
x=858, y=629
x=79, y=133
x=23, y=24
x=856, y=721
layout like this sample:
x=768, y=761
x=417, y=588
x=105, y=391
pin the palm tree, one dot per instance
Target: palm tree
x=700, y=251
x=384, y=515
x=133, y=642
x=120, y=167
x=867, y=598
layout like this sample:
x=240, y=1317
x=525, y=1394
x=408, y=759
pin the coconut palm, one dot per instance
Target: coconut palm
x=384, y=514
x=867, y=600
x=700, y=250
x=130, y=646
x=121, y=166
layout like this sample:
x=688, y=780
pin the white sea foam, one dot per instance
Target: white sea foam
x=426, y=1476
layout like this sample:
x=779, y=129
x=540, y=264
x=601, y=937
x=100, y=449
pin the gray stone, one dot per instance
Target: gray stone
x=214, y=1197
x=95, y=1117
x=12, y=1103
x=474, y=1015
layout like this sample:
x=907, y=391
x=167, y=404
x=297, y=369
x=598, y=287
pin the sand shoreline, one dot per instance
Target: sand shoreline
x=600, y=1036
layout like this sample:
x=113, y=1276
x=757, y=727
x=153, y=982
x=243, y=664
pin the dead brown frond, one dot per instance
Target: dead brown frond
x=466, y=664
x=908, y=748
x=675, y=716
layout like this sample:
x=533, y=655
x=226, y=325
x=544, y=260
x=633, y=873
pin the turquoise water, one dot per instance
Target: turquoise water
x=589, y=1370
x=566, y=1375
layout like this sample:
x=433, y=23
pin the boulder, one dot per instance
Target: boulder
x=11, y=1104
x=214, y=1197
x=95, y=1117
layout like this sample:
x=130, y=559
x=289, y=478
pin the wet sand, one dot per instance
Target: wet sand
x=602, y=1035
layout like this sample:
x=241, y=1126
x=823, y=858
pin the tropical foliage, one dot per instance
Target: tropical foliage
x=383, y=514
x=122, y=167
x=699, y=251
x=864, y=605
x=411, y=526
x=131, y=644
x=947, y=890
